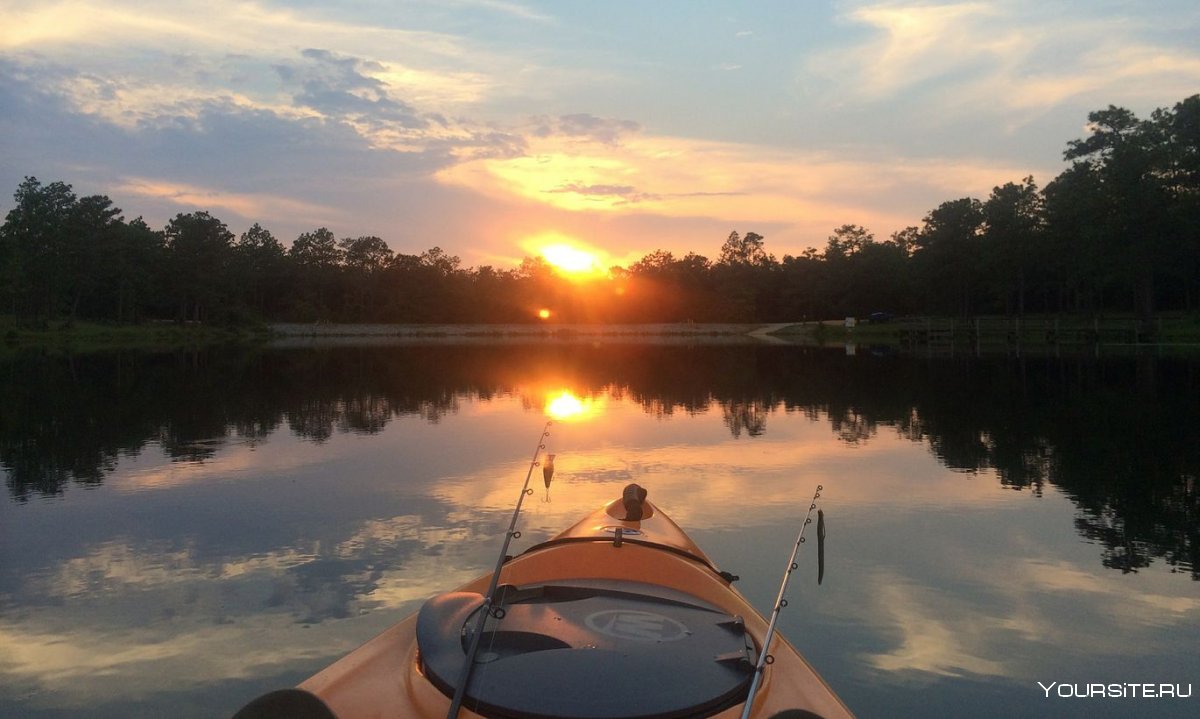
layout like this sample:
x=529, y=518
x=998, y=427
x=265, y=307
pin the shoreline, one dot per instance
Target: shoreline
x=297, y=329
x=992, y=334
x=293, y=335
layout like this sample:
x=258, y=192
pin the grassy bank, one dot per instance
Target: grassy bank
x=1181, y=330
x=87, y=336
x=1178, y=329
x=90, y=336
x=686, y=329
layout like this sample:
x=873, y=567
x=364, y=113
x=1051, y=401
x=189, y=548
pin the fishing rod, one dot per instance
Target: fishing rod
x=464, y=676
x=763, y=657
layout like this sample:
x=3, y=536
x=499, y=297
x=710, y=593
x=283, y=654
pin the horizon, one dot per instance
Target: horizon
x=493, y=129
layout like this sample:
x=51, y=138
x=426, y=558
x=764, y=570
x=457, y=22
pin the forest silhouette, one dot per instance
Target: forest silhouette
x=1117, y=231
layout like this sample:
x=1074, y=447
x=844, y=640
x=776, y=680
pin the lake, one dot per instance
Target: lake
x=181, y=532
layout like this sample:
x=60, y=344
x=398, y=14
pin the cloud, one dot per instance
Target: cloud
x=153, y=56
x=1134, y=72
x=329, y=139
x=335, y=86
x=916, y=43
x=78, y=27
x=608, y=131
x=618, y=194
x=1021, y=56
x=246, y=205
x=517, y=10
x=604, y=190
x=734, y=183
x=290, y=165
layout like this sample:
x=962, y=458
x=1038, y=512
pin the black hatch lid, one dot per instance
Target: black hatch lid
x=601, y=650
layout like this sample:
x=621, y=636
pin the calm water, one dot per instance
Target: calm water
x=182, y=532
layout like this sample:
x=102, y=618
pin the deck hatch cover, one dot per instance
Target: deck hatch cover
x=598, y=652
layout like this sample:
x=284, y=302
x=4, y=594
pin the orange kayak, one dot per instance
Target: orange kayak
x=614, y=618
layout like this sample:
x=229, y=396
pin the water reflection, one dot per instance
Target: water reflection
x=566, y=407
x=1117, y=436
x=249, y=517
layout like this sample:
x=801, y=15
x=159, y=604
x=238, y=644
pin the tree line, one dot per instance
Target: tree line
x=1117, y=231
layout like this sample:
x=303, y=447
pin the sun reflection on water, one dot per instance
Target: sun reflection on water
x=566, y=407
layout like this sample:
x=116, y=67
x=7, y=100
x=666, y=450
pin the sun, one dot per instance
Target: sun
x=568, y=256
x=570, y=260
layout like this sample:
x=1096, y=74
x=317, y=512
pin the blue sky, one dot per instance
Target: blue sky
x=491, y=128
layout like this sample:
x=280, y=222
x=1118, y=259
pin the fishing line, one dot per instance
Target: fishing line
x=464, y=676
x=780, y=602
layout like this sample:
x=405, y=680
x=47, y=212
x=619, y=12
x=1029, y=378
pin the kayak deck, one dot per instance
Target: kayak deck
x=596, y=623
x=605, y=650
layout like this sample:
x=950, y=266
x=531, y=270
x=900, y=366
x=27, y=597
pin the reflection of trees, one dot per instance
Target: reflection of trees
x=1117, y=436
x=851, y=426
x=313, y=420
x=749, y=417
x=365, y=414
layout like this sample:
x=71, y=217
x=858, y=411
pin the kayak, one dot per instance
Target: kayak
x=621, y=616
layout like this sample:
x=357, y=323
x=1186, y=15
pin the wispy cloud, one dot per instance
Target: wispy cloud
x=232, y=49
x=1023, y=56
x=79, y=27
x=246, y=205
x=514, y=9
x=340, y=86
x=615, y=195
x=584, y=126
x=916, y=43
x=735, y=182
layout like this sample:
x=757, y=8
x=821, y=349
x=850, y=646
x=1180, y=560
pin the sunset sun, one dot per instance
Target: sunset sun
x=568, y=256
x=570, y=260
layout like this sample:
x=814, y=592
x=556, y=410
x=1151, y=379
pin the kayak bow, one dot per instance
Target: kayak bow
x=621, y=616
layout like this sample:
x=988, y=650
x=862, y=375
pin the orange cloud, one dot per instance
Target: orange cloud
x=251, y=206
x=806, y=193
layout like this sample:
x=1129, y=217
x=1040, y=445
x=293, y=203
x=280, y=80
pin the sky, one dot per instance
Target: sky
x=493, y=128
